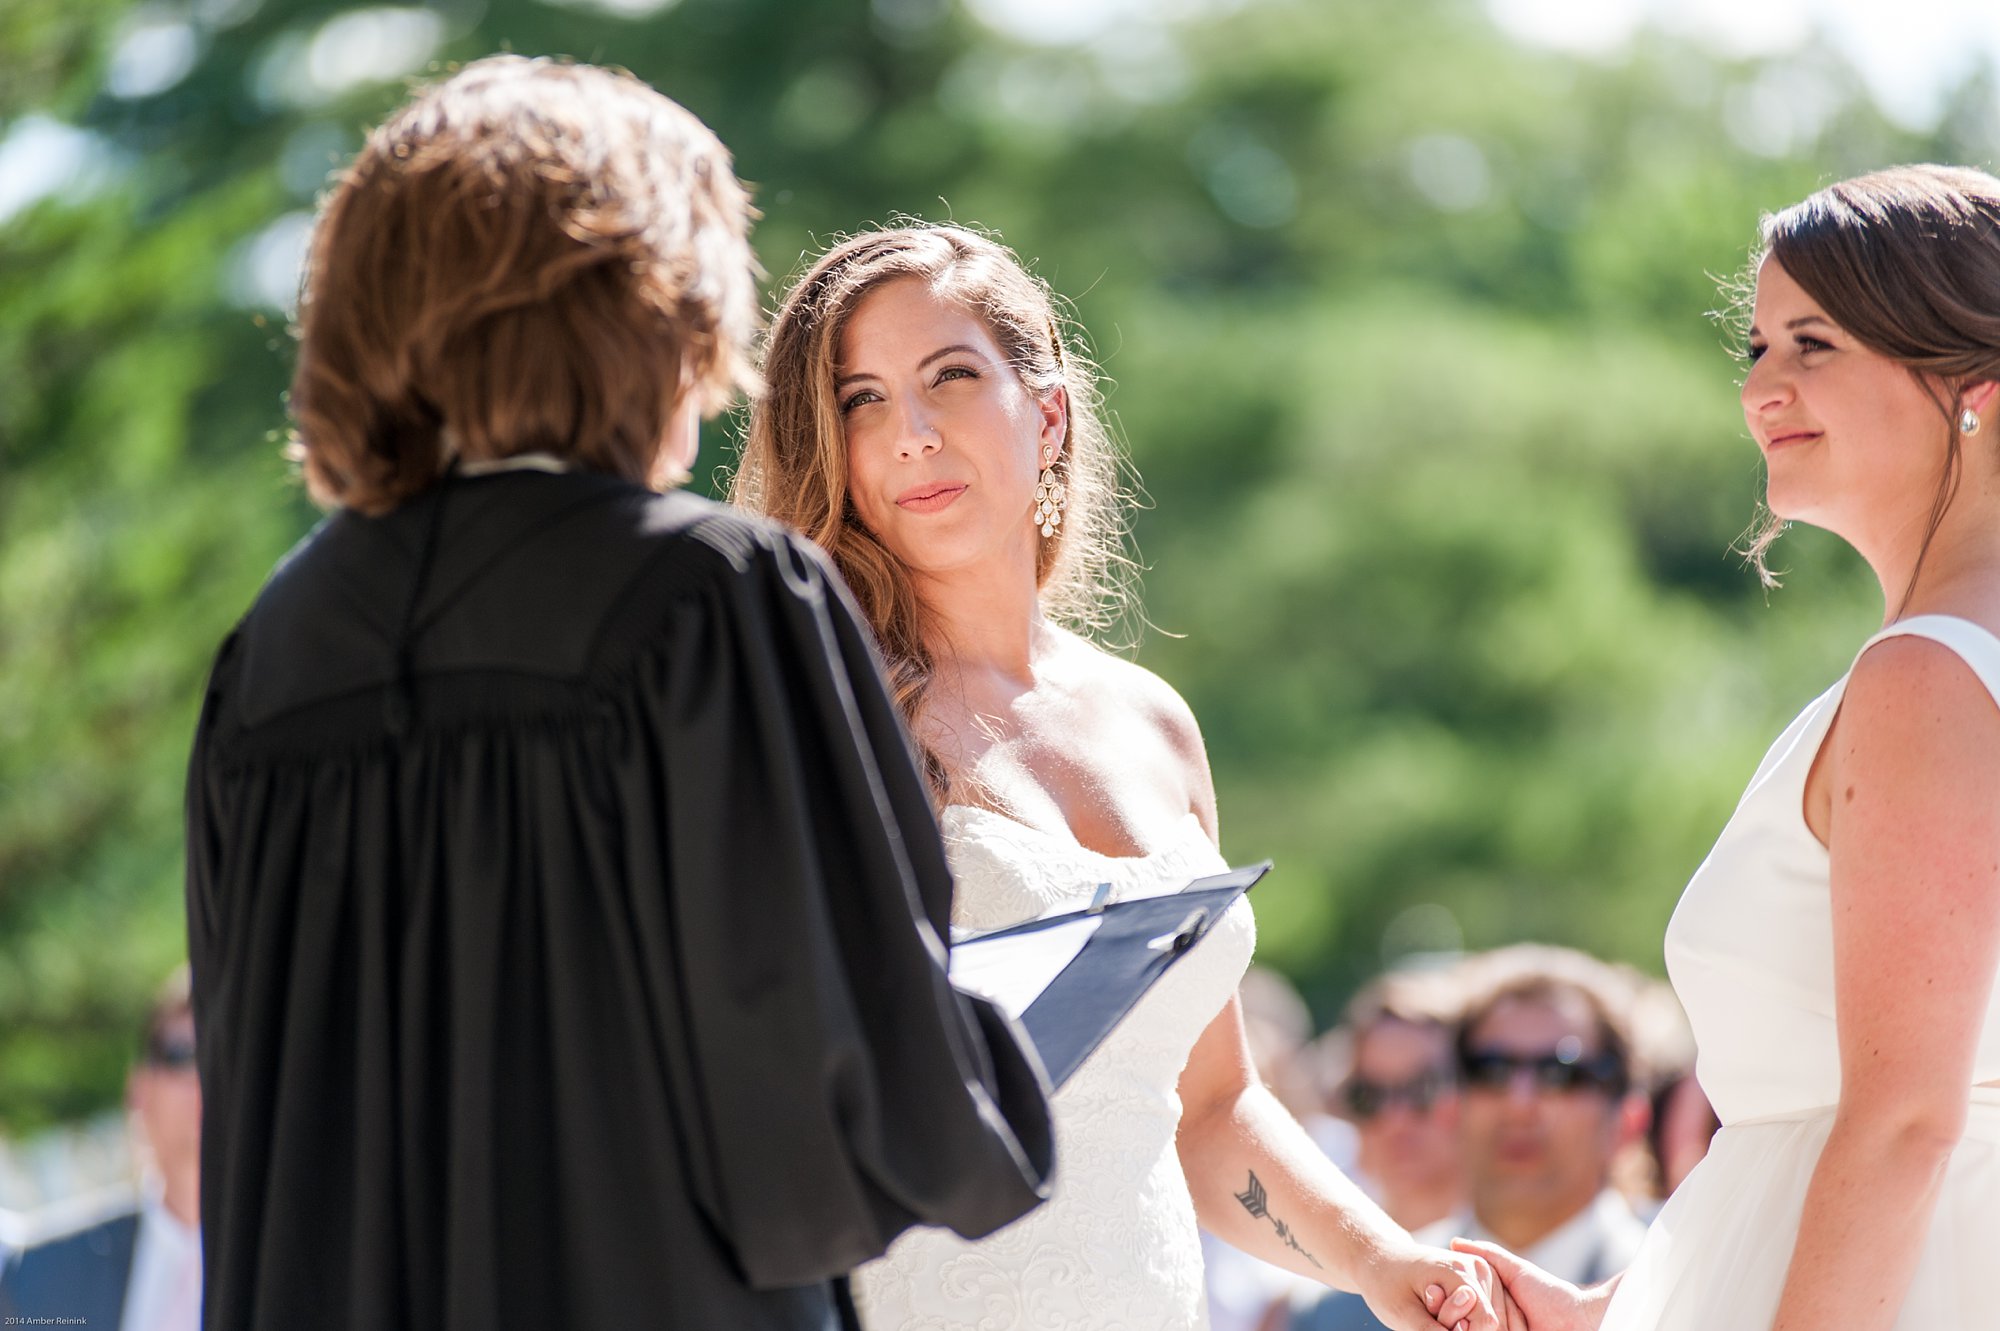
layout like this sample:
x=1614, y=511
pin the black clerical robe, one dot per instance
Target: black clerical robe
x=566, y=909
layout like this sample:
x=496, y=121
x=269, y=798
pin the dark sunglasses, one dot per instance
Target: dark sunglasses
x=1365, y=1099
x=170, y=1055
x=1495, y=1070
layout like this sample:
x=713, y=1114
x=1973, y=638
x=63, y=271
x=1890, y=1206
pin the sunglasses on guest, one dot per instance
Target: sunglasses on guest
x=168, y=1054
x=1365, y=1099
x=1562, y=1070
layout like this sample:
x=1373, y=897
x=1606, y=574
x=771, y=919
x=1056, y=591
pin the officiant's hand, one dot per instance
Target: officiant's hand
x=1534, y=1300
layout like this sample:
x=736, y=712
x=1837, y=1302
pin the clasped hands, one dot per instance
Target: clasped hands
x=1522, y=1296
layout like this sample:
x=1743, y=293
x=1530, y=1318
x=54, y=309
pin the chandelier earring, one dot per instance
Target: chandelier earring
x=1968, y=421
x=1050, y=496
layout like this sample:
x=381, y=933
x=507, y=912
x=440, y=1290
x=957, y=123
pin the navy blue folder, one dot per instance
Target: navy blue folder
x=1134, y=944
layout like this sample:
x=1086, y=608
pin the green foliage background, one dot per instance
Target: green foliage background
x=1441, y=494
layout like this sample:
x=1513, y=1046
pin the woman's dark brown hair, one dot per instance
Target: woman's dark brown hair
x=1907, y=260
x=529, y=256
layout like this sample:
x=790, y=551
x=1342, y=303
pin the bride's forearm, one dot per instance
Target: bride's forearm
x=1260, y=1184
x=1866, y=1213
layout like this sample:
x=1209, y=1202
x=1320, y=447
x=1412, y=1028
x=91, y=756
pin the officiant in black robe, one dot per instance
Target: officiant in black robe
x=565, y=905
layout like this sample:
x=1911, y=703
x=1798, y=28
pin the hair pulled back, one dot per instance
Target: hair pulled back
x=1907, y=260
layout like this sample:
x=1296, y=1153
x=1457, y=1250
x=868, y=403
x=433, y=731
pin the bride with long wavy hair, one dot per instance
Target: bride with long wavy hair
x=931, y=421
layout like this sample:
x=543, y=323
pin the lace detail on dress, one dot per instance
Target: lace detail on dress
x=1116, y=1246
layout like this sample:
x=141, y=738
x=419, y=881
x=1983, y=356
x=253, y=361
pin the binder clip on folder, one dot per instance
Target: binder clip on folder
x=1071, y=978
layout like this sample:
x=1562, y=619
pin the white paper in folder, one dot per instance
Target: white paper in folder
x=1012, y=971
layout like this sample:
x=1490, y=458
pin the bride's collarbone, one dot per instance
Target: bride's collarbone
x=1112, y=832
x=1120, y=813
x=1080, y=753
x=1039, y=733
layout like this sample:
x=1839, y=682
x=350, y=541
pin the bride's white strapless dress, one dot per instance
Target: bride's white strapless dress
x=1750, y=950
x=1115, y=1246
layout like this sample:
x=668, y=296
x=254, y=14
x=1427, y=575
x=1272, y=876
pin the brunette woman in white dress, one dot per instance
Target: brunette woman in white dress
x=1836, y=952
x=930, y=425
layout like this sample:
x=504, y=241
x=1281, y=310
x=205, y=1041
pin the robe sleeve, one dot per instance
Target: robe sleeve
x=844, y=1089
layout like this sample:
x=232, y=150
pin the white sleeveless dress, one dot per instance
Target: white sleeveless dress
x=1115, y=1246
x=1750, y=950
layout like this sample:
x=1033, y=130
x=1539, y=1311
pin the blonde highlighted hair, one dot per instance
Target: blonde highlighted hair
x=794, y=462
x=529, y=256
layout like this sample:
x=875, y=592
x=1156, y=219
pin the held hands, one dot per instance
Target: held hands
x=1429, y=1289
x=1529, y=1298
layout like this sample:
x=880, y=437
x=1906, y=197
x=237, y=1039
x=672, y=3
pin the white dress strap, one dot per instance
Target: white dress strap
x=1974, y=645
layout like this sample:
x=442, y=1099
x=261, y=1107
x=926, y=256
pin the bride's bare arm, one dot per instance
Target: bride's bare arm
x=1914, y=836
x=1261, y=1184
x=1257, y=1179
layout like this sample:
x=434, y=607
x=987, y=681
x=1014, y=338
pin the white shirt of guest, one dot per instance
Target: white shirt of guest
x=1594, y=1244
x=164, y=1290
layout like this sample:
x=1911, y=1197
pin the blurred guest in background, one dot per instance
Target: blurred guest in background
x=1401, y=1093
x=1681, y=1121
x=1545, y=1051
x=1683, y=1124
x=1545, y=1056
x=137, y=1270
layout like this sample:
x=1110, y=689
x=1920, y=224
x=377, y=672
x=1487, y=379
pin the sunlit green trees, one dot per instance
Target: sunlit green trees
x=1410, y=336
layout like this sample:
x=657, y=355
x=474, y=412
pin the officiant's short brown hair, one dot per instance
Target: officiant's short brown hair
x=530, y=256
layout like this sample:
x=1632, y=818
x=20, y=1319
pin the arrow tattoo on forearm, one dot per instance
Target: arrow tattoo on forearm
x=1257, y=1202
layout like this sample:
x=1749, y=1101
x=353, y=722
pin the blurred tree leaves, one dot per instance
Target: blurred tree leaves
x=1409, y=330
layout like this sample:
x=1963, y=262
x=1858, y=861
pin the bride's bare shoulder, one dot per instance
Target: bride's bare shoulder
x=1112, y=679
x=1110, y=685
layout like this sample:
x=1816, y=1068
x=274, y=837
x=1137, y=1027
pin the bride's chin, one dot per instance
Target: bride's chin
x=1785, y=504
x=939, y=559
x=1791, y=506
x=926, y=559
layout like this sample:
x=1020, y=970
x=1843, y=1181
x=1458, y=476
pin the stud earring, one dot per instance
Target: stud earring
x=1968, y=421
x=1050, y=496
